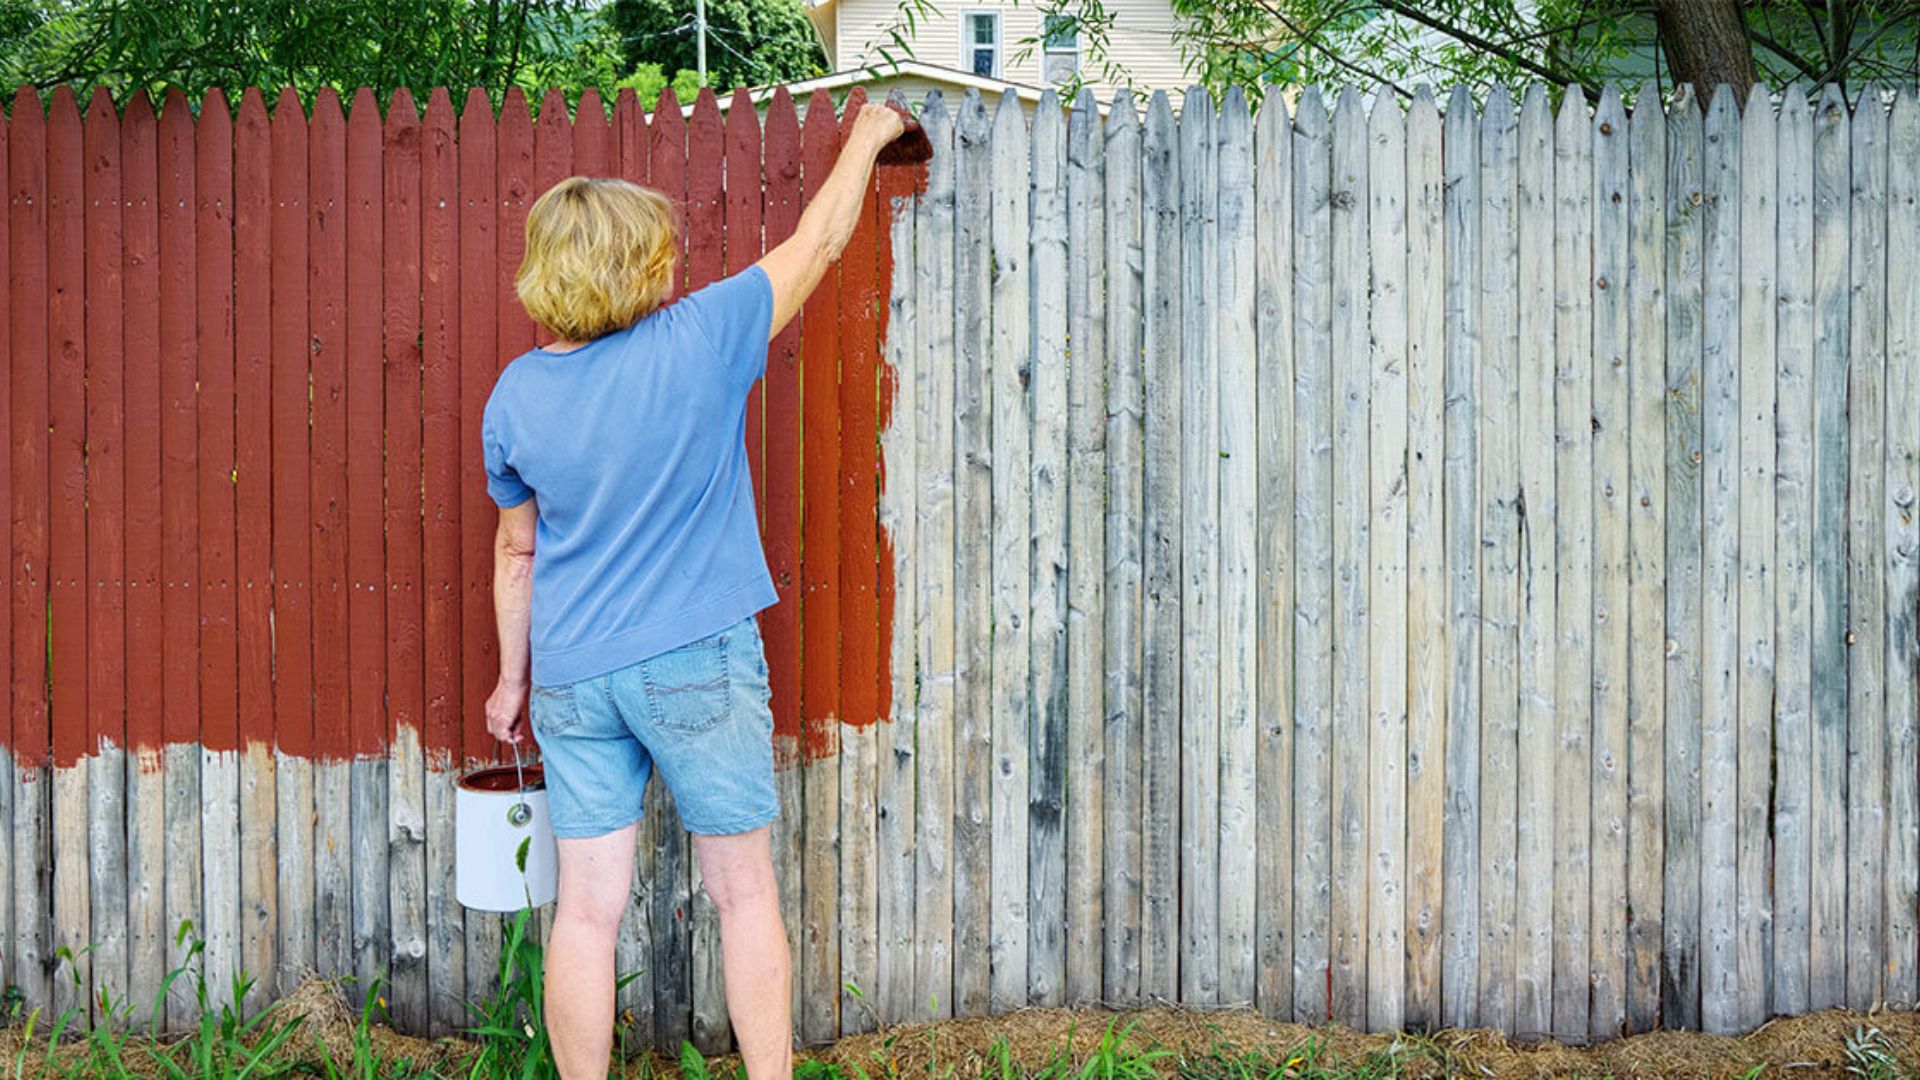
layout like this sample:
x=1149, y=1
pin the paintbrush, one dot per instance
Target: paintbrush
x=910, y=147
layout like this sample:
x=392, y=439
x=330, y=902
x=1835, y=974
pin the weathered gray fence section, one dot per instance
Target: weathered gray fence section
x=1410, y=569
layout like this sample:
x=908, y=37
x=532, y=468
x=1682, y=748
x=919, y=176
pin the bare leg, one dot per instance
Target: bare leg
x=595, y=883
x=738, y=874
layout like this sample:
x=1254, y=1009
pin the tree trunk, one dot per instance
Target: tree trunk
x=1705, y=42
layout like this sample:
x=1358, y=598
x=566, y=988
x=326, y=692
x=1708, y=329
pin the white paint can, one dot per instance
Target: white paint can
x=504, y=855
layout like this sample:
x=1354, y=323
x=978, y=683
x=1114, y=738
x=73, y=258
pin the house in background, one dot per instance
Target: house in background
x=991, y=46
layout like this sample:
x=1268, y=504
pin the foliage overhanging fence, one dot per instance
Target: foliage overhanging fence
x=1407, y=567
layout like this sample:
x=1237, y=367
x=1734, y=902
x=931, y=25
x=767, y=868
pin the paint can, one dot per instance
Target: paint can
x=504, y=855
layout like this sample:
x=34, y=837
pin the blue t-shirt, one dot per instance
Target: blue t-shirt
x=634, y=445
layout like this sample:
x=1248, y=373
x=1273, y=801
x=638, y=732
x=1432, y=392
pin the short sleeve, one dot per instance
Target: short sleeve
x=503, y=481
x=736, y=314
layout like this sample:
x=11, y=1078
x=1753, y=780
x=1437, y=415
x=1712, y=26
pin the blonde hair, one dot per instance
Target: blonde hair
x=600, y=256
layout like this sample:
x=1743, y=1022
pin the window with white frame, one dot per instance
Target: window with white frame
x=980, y=43
x=1060, y=44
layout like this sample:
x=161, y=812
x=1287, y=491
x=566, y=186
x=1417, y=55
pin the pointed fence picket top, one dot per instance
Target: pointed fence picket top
x=1386, y=563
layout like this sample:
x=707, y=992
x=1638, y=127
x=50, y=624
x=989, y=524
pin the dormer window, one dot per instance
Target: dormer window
x=980, y=42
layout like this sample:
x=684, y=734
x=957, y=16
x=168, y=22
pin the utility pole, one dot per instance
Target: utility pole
x=700, y=37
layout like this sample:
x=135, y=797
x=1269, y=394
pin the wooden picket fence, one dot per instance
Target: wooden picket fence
x=1407, y=568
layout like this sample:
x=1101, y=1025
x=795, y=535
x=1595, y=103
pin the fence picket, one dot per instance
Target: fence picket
x=1313, y=560
x=1460, y=858
x=1010, y=419
x=1646, y=688
x=1500, y=516
x=1536, y=509
x=1832, y=163
x=1902, y=540
x=1866, y=426
x=1043, y=276
x=935, y=718
x=1425, y=896
x=1273, y=707
x=1608, y=277
x=1120, y=904
x=1239, y=597
x=1573, y=560
x=1385, y=570
x=1199, y=721
x=9, y=776
x=1083, y=239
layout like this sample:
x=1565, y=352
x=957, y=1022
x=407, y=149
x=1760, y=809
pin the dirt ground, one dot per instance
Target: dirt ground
x=1805, y=1046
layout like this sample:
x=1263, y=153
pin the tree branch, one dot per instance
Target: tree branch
x=1466, y=37
x=1783, y=53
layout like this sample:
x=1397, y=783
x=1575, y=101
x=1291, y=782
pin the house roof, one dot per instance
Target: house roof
x=901, y=69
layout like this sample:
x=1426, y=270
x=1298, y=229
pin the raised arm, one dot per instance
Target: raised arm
x=797, y=265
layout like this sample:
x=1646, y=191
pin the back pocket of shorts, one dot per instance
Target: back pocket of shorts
x=553, y=709
x=688, y=688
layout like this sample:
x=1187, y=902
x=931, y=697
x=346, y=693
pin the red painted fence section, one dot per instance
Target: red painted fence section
x=248, y=353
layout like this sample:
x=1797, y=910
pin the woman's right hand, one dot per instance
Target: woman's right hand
x=879, y=124
x=506, y=711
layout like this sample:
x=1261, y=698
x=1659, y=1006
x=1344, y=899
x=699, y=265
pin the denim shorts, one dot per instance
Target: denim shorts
x=699, y=714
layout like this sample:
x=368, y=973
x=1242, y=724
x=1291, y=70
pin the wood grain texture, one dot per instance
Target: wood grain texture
x=1387, y=440
x=1161, y=494
x=1273, y=297
x=1459, y=961
x=1536, y=507
x=1611, y=487
x=1427, y=624
x=1681, y=958
x=1313, y=561
x=1238, y=456
x=1012, y=468
x=1646, y=689
x=1124, y=566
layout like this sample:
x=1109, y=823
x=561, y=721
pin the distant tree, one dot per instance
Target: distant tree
x=1584, y=43
x=749, y=42
x=123, y=45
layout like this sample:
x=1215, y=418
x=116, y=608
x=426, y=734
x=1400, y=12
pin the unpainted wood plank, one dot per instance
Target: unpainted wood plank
x=1902, y=546
x=1606, y=965
x=1386, y=438
x=974, y=611
x=1312, y=435
x=1199, y=557
x=1759, y=304
x=1538, y=600
x=1866, y=560
x=1680, y=956
x=1161, y=497
x=1239, y=596
x=1827, y=820
x=1646, y=686
x=1123, y=565
x=1792, y=546
x=1351, y=626
x=1047, y=759
x=1574, y=541
x=1011, y=426
x=934, y=808
x=1085, y=242
x=107, y=525
x=896, y=739
x=1460, y=858
x=1273, y=298
x=1501, y=520
x=1425, y=898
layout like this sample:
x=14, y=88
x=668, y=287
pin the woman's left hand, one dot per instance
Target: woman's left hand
x=507, y=711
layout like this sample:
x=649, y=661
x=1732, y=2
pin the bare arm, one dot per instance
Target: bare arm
x=513, y=615
x=796, y=266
